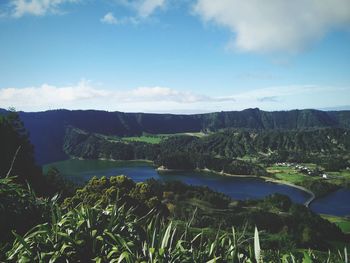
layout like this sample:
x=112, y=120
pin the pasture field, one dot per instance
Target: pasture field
x=342, y=222
x=291, y=175
x=145, y=138
x=157, y=138
x=287, y=174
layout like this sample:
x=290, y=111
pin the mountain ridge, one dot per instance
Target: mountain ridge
x=47, y=128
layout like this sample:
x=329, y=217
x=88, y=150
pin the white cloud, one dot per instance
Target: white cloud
x=37, y=7
x=84, y=96
x=166, y=94
x=109, y=19
x=47, y=95
x=275, y=25
x=142, y=8
x=146, y=8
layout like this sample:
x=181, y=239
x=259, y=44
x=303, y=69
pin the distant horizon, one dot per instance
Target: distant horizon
x=341, y=108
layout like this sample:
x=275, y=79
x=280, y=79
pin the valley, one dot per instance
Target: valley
x=292, y=184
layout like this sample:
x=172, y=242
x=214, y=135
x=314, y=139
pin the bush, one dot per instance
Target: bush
x=20, y=209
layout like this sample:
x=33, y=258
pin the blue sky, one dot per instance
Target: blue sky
x=180, y=56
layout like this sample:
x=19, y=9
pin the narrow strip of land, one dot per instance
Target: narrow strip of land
x=307, y=202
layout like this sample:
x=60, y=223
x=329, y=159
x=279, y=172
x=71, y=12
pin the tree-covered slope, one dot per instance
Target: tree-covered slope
x=82, y=144
x=237, y=143
x=47, y=129
x=16, y=151
x=316, y=145
x=18, y=162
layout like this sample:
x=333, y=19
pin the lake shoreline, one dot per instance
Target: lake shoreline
x=74, y=169
x=131, y=161
x=206, y=170
x=265, y=178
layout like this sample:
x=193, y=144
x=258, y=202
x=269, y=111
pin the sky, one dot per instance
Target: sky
x=174, y=56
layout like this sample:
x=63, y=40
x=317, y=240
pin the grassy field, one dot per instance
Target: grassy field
x=291, y=175
x=288, y=174
x=157, y=138
x=342, y=222
x=147, y=139
x=195, y=134
x=342, y=174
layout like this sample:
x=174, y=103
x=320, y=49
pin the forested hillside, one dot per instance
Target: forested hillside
x=47, y=129
x=312, y=145
x=81, y=144
x=216, y=151
x=16, y=151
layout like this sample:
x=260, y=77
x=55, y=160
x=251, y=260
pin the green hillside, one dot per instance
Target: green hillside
x=325, y=146
x=47, y=129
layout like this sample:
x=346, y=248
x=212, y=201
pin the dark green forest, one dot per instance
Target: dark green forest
x=47, y=129
x=221, y=151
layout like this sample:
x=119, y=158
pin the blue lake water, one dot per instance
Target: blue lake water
x=80, y=171
x=337, y=203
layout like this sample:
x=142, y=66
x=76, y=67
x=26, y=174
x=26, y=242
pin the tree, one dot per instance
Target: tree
x=17, y=153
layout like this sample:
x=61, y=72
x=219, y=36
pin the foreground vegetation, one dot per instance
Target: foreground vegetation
x=110, y=230
x=286, y=225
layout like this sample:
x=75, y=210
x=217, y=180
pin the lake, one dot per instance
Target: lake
x=336, y=203
x=81, y=171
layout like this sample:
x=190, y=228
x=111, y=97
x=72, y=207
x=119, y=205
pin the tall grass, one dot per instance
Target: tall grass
x=115, y=234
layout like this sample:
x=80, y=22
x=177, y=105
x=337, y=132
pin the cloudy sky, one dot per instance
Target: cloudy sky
x=179, y=56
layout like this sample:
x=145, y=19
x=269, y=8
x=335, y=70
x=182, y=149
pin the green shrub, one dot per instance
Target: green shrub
x=20, y=209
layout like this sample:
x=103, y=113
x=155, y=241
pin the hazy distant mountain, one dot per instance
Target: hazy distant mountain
x=47, y=128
